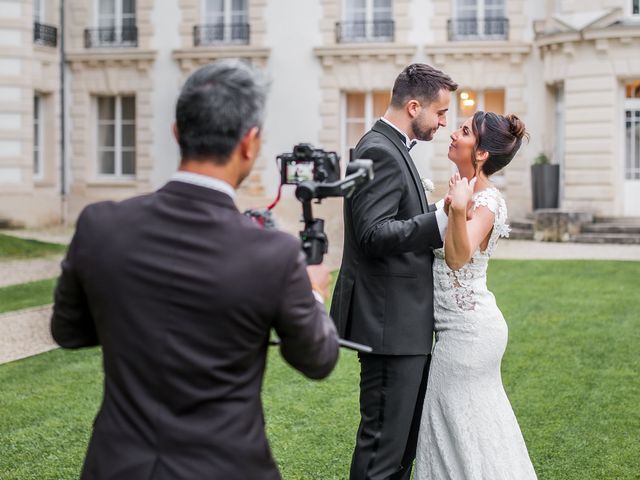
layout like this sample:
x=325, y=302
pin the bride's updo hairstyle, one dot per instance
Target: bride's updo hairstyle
x=500, y=136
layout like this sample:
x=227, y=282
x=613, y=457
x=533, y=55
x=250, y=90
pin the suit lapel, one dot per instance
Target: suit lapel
x=394, y=137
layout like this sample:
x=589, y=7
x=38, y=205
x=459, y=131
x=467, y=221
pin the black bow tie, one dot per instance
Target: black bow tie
x=412, y=144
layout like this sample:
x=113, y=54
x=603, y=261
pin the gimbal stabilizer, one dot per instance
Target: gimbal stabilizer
x=314, y=240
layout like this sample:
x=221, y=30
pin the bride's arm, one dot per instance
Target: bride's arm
x=464, y=237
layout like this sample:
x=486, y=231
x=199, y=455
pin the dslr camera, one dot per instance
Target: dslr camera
x=316, y=174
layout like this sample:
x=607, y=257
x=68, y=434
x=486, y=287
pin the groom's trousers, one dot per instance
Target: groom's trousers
x=392, y=389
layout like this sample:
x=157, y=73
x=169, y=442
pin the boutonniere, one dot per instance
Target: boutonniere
x=428, y=185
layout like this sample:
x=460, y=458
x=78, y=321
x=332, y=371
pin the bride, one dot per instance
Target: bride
x=468, y=429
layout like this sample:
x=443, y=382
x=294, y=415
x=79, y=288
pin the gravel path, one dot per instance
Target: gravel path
x=13, y=272
x=25, y=333
x=530, y=250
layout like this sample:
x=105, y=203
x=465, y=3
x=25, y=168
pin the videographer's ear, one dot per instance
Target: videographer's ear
x=250, y=144
x=174, y=130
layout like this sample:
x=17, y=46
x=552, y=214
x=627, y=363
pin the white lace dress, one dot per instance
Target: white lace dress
x=468, y=429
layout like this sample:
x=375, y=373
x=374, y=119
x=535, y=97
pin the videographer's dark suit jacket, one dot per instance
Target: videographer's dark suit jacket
x=384, y=293
x=181, y=291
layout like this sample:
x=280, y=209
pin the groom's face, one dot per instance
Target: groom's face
x=431, y=116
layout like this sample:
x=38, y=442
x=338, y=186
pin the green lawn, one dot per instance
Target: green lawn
x=25, y=295
x=13, y=248
x=571, y=372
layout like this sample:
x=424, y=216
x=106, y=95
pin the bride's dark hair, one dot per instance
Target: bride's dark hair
x=500, y=136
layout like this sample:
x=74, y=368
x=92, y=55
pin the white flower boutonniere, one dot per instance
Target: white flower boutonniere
x=428, y=185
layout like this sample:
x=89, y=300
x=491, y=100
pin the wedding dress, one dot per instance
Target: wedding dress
x=468, y=429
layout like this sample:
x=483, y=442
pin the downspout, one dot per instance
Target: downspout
x=63, y=162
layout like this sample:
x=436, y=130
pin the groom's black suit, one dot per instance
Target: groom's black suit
x=181, y=290
x=384, y=298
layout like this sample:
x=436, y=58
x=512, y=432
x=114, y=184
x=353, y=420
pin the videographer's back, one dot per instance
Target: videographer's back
x=181, y=291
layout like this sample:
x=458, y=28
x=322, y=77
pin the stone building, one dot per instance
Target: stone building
x=570, y=69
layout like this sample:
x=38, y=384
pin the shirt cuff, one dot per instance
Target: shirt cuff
x=441, y=219
x=318, y=296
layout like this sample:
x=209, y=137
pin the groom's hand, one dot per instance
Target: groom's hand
x=320, y=279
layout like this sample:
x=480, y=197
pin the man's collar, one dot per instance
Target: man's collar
x=204, y=181
x=409, y=143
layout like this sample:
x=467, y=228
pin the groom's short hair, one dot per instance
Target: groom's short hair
x=421, y=82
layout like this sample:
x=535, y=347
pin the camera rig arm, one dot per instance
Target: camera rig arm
x=314, y=240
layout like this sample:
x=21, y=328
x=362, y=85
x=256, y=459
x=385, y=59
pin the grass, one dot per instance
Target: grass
x=570, y=371
x=25, y=295
x=15, y=248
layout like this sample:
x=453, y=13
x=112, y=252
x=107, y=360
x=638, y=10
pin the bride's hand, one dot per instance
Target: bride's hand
x=461, y=193
x=447, y=197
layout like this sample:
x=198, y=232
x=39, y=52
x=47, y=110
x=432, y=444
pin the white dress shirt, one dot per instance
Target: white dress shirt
x=204, y=181
x=441, y=218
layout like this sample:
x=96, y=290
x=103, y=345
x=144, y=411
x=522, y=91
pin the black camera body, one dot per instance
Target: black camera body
x=316, y=174
x=306, y=163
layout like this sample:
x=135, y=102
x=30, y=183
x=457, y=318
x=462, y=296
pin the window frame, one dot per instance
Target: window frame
x=228, y=24
x=498, y=178
x=118, y=21
x=39, y=11
x=38, y=136
x=630, y=105
x=480, y=8
x=369, y=19
x=369, y=117
x=118, y=148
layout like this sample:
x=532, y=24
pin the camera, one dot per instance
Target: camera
x=306, y=163
x=316, y=174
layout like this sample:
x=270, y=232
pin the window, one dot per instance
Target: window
x=225, y=21
x=635, y=7
x=632, y=130
x=469, y=101
x=366, y=20
x=478, y=19
x=38, y=125
x=116, y=136
x=116, y=23
x=361, y=110
x=38, y=11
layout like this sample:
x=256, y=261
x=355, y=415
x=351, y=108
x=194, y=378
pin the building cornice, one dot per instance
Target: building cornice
x=402, y=54
x=622, y=33
x=188, y=58
x=441, y=52
x=111, y=56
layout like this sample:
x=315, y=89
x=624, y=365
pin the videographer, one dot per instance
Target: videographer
x=182, y=290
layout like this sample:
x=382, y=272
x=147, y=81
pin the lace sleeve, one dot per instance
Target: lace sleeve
x=493, y=200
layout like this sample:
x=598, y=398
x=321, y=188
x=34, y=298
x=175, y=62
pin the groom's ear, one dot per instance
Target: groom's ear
x=413, y=108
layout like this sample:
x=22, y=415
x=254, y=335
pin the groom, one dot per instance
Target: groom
x=384, y=293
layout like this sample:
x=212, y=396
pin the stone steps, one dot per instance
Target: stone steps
x=618, y=220
x=611, y=228
x=520, y=234
x=617, y=238
x=520, y=224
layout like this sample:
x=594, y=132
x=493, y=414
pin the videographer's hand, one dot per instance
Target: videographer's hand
x=320, y=279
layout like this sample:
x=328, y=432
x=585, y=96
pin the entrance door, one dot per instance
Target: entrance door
x=632, y=150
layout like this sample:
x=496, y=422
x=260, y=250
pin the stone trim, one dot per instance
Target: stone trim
x=401, y=55
x=190, y=58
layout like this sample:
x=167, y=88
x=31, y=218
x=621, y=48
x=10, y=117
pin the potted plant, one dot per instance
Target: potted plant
x=545, y=183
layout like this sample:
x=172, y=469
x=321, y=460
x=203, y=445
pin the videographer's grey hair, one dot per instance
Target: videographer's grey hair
x=219, y=103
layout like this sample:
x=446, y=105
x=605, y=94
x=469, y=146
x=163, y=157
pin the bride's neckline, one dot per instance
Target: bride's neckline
x=490, y=187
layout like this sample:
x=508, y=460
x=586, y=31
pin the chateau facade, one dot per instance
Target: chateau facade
x=570, y=69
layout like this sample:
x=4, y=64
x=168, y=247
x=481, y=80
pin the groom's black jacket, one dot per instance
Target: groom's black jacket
x=384, y=293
